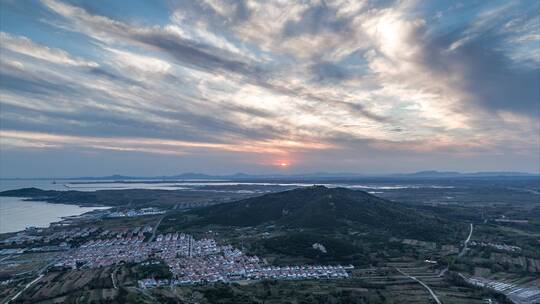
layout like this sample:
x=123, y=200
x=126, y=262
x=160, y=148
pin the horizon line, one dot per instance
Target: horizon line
x=321, y=173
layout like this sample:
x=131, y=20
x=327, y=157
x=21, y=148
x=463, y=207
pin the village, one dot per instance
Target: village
x=190, y=261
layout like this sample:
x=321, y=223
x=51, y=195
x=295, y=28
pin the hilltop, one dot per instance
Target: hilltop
x=325, y=208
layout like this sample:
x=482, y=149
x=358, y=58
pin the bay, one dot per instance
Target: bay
x=17, y=214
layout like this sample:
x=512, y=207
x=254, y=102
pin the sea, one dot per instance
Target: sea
x=17, y=214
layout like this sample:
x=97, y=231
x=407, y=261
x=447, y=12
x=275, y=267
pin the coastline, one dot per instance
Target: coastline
x=50, y=201
x=16, y=217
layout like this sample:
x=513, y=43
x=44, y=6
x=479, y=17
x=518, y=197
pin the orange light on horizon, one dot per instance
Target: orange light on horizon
x=283, y=164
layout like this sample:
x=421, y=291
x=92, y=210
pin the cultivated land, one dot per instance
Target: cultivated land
x=399, y=250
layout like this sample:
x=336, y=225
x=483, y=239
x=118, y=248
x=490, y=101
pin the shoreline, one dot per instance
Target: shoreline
x=45, y=200
x=39, y=215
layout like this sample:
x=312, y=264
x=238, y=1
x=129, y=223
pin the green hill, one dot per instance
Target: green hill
x=326, y=209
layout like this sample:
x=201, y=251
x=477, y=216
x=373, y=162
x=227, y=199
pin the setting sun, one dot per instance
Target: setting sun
x=283, y=164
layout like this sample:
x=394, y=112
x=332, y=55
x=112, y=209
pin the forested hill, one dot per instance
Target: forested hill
x=328, y=208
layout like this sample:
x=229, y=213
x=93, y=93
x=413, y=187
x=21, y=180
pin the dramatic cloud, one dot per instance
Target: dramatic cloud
x=23, y=45
x=329, y=85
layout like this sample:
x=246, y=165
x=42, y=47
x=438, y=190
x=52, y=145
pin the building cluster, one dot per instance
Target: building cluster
x=191, y=261
x=516, y=293
x=68, y=235
x=106, y=252
x=57, y=236
x=21, y=238
x=503, y=247
x=32, y=234
x=511, y=221
x=111, y=248
x=128, y=232
x=257, y=272
x=133, y=213
x=62, y=247
x=300, y=272
x=135, y=239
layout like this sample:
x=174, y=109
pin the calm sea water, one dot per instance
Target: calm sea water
x=16, y=214
x=93, y=185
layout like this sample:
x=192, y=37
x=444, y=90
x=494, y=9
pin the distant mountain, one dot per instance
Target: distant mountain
x=317, y=176
x=451, y=174
x=191, y=175
x=319, y=207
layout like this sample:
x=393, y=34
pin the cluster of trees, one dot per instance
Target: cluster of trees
x=301, y=245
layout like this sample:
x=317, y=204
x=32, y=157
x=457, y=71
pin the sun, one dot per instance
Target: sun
x=283, y=164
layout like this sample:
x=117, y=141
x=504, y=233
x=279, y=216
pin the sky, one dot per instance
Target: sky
x=91, y=88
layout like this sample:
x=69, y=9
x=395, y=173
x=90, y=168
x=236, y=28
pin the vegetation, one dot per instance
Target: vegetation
x=321, y=208
x=133, y=198
x=374, y=234
x=152, y=269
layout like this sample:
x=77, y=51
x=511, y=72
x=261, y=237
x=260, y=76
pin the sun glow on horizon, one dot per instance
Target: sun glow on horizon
x=283, y=164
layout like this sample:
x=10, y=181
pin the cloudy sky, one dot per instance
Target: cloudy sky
x=151, y=88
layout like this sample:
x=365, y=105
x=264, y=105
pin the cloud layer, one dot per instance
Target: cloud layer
x=326, y=85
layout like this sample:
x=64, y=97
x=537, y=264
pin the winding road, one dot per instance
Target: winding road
x=461, y=253
x=433, y=295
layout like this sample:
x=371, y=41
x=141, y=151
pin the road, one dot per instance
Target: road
x=433, y=295
x=113, y=278
x=40, y=275
x=462, y=252
x=443, y=271
x=470, y=234
x=155, y=229
x=466, y=242
x=25, y=288
x=5, y=258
